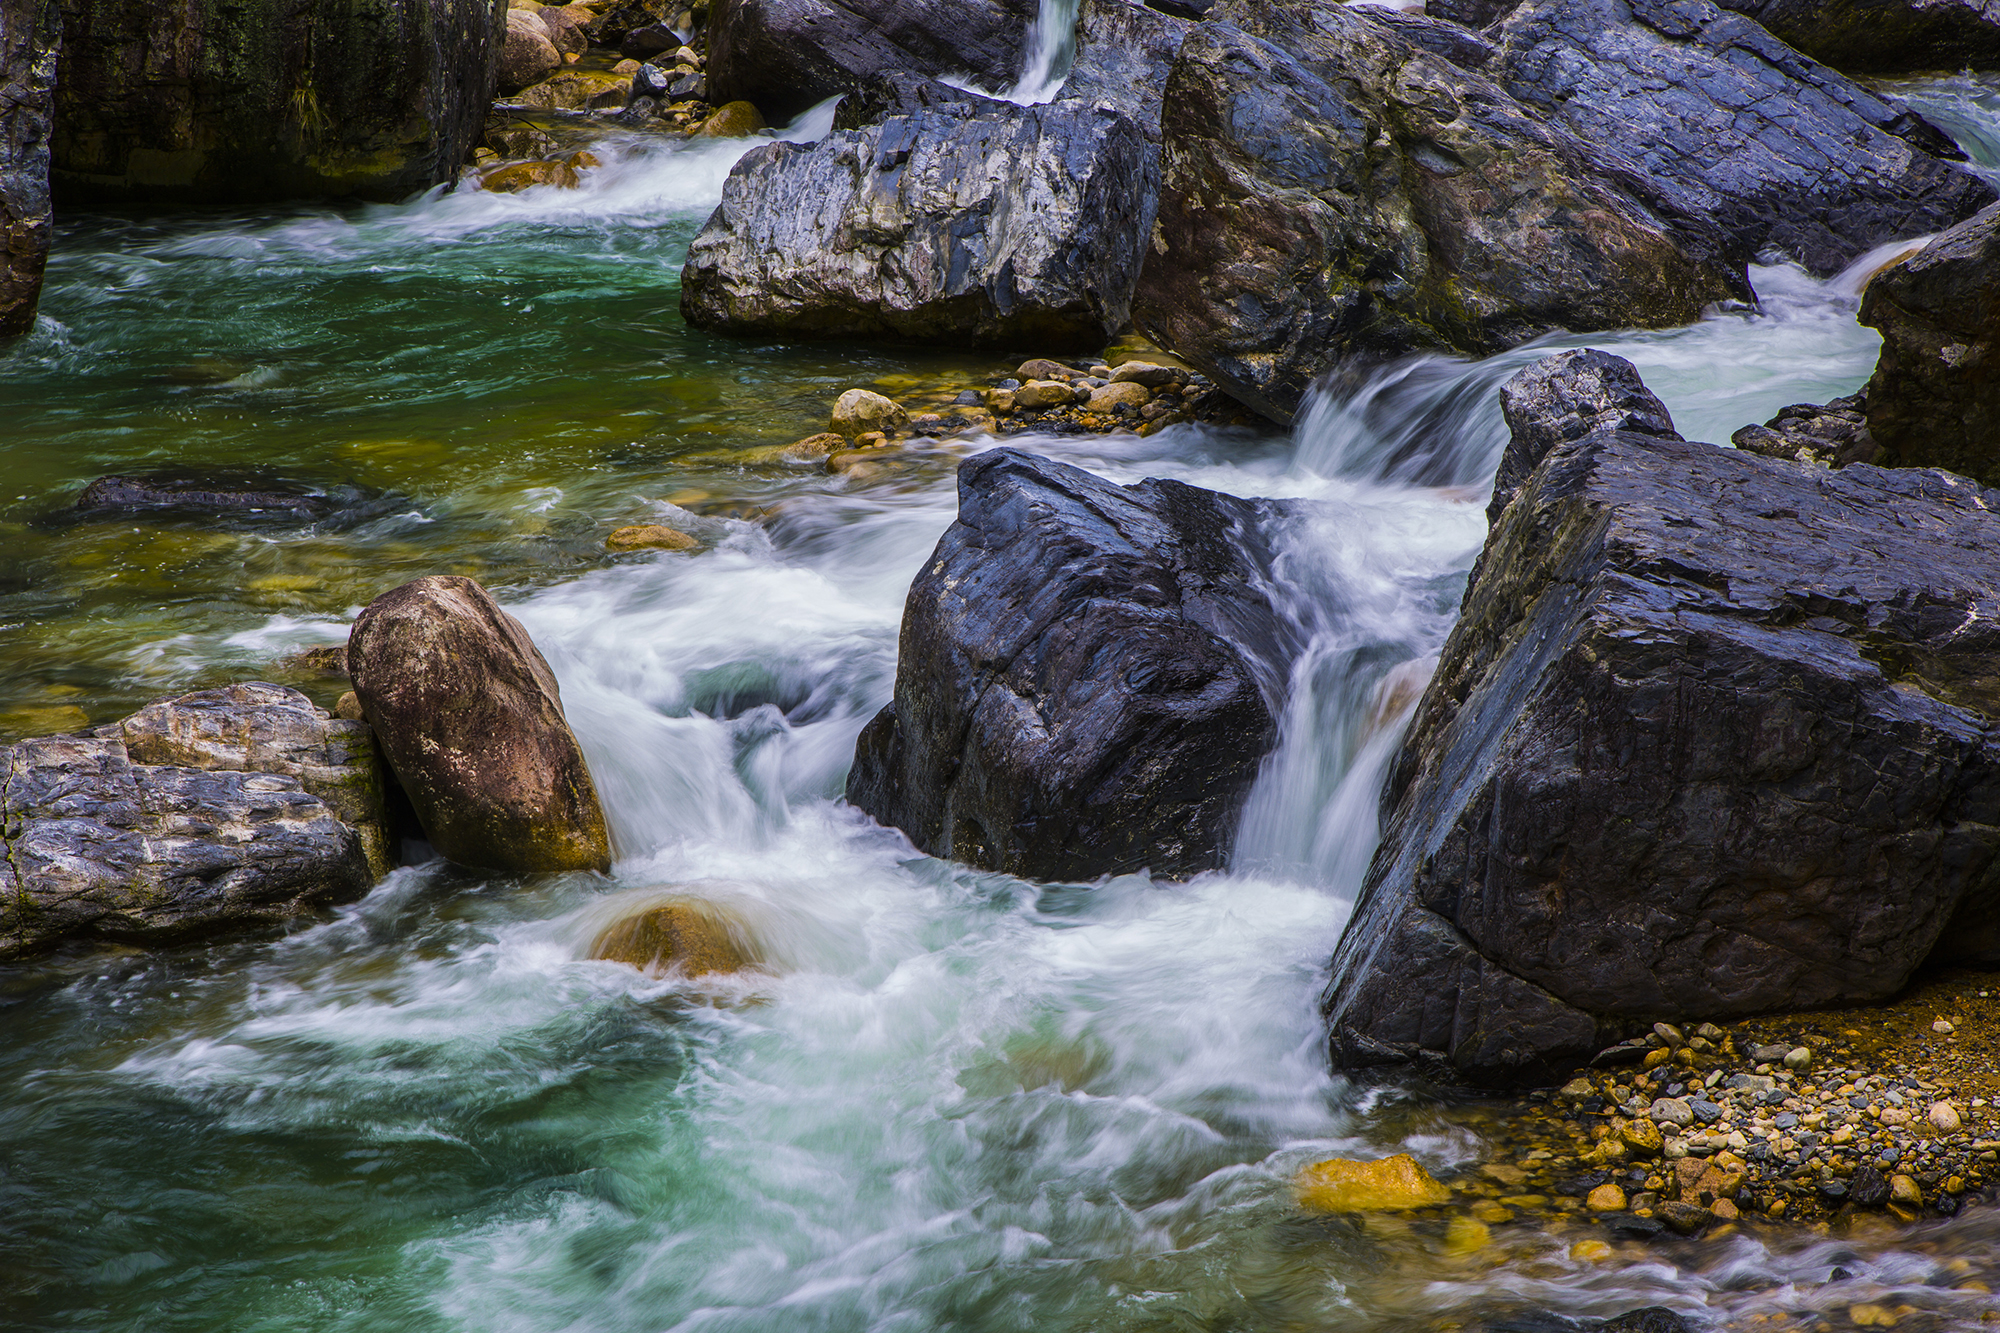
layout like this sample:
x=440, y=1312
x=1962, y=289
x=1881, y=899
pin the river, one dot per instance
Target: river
x=953, y=1100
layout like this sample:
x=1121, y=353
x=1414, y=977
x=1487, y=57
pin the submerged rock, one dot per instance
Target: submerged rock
x=690, y=936
x=1390, y=1184
x=1723, y=121
x=1708, y=739
x=969, y=221
x=29, y=41
x=1089, y=676
x=1934, y=400
x=1885, y=36
x=273, y=99
x=243, y=496
x=471, y=721
x=1334, y=192
x=216, y=810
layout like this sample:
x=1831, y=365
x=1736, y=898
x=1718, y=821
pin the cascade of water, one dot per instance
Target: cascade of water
x=1051, y=50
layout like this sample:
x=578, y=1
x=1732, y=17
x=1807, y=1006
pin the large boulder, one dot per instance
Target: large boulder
x=1711, y=737
x=221, y=809
x=471, y=721
x=201, y=101
x=29, y=38
x=785, y=55
x=528, y=52
x=1088, y=678
x=1124, y=52
x=1885, y=36
x=1727, y=122
x=966, y=220
x=1934, y=400
x=1335, y=193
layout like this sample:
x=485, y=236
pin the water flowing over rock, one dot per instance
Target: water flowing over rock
x=1934, y=400
x=29, y=40
x=196, y=101
x=786, y=55
x=238, y=497
x=1334, y=193
x=216, y=810
x=963, y=219
x=1729, y=123
x=1885, y=36
x=1710, y=738
x=1089, y=676
x=471, y=720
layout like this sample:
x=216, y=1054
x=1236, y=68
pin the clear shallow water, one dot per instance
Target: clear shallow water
x=953, y=1100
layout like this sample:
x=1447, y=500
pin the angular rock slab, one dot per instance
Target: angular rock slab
x=1710, y=738
x=1727, y=122
x=29, y=41
x=966, y=221
x=207, y=101
x=1088, y=677
x=193, y=816
x=470, y=719
x=1885, y=36
x=1334, y=193
x=1934, y=400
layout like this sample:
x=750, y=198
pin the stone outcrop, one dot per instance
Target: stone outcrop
x=1934, y=400
x=1726, y=122
x=1833, y=434
x=220, y=809
x=1089, y=676
x=29, y=41
x=1124, y=52
x=1565, y=397
x=786, y=55
x=470, y=719
x=1711, y=737
x=963, y=220
x=1334, y=193
x=200, y=101
x=1879, y=37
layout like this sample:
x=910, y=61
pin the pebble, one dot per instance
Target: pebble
x=1944, y=1117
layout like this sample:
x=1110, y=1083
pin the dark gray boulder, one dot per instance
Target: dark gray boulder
x=1729, y=123
x=963, y=220
x=239, y=497
x=1934, y=399
x=1124, y=52
x=1088, y=678
x=1878, y=37
x=786, y=55
x=1566, y=397
x=29, y=41
x=239, y=101
x=1711, y=737
x=217, y=810
x=1833, y=434
x=1333, y=194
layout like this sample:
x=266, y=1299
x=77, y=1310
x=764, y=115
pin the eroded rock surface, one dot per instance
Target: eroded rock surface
x=1726, y=122
x=29, y=41
x=470, y=719
x=1710, y=738
x=1833, y=434
x=1885, y=36
x=1088, y=678
x=215, y=810
x=236, y=496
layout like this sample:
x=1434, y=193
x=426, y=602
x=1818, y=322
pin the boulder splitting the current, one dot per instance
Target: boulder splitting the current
x=471, y=720
x=28, y=48
x=1711, y=737
x=1089, y=676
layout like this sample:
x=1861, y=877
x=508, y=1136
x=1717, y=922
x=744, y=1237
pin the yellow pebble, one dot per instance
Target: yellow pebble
x=1463, y=1235
x=1340, y=1185
x=1590, y=1251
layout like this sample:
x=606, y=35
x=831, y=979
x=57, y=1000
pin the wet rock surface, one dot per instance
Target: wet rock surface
x=213, y=811
x=1874, y=37
x=1088, y=676
x=1563, y=398
x=470, y=719
x=201, y=102
x=1934, y=400
x=1723, y=121
x=1333, y=193
x=970, y=220
x=29, y=43
x=1833, y=434
x=1646, y=781
x=239, y=496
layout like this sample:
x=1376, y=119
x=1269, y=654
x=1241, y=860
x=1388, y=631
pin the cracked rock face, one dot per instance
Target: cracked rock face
x=1710, y=738
x=1334, y=192
x=1088, y=678
x=28, y=50
x=1885, y=36
x=219, y=809
x=1729, y=123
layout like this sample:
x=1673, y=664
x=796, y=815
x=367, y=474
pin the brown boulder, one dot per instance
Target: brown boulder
x=685, y=935
x=470, y=718
x=529, y=55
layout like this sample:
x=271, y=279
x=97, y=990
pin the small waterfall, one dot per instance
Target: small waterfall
x=1051, y=51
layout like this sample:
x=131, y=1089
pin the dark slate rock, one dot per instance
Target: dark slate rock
x=1563, y=398
x=1879, y=37
x=1334, y=194
x=1650, y=1319
x=1471, y=13
x=786, y=55
x=1089, y=676
x=1834, y=433
x=1729, y=123
x=1124, y=53
x=238, y=496
x=898, y=93
x=1709, y=739
x=29, y=41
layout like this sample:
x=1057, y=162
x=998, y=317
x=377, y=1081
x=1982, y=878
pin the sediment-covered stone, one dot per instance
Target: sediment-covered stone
x=29, y=42
x=237, y=496
x=1088, y=678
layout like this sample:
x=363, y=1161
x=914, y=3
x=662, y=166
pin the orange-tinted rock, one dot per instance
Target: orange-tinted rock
x=1390, y=1184
x=688, y=936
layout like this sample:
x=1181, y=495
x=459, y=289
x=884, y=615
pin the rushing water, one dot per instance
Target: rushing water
x=953, y=1099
